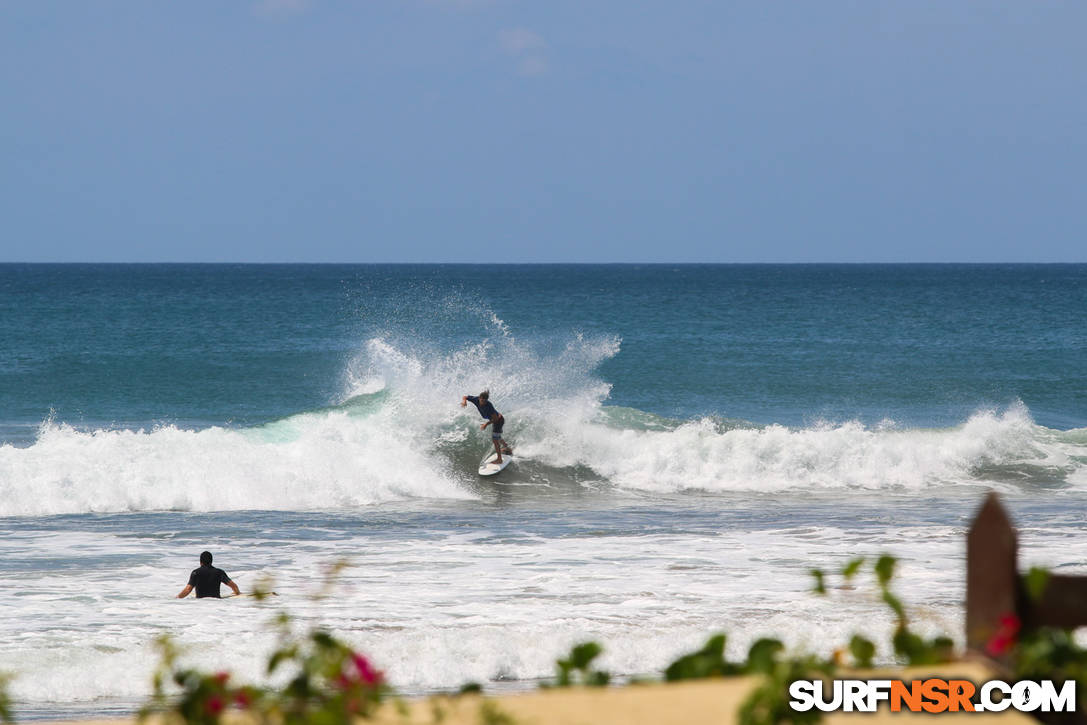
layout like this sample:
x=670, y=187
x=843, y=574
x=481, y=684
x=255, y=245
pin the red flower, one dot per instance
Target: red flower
x=221, y=678
x=366, y=671
x=242, y=699
x=214, y=705
x=1004, y=637
x=359, y=672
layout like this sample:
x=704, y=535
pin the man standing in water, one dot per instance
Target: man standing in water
x=207, y=579
x=494, y=419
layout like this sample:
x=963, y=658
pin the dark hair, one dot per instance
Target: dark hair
x=485, y=395
x=205, y=557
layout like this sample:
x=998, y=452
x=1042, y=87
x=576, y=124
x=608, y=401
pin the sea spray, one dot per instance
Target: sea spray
x=331, y=461
x=699, y=455
x=343, y=460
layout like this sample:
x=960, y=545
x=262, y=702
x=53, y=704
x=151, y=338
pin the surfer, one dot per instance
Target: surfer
x=206, y=580
x=494, y=419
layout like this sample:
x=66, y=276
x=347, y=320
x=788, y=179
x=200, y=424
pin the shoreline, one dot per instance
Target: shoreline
x=712, y=701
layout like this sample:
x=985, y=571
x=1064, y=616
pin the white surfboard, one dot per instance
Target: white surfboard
x=487, y=467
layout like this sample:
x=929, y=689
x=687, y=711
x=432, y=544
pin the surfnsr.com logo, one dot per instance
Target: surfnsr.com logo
x=932, y=695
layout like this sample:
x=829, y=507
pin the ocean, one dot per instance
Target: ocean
x=689, y=442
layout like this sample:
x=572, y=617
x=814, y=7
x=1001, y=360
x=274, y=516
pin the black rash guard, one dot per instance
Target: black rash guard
x=206, y=580
x=487, y=411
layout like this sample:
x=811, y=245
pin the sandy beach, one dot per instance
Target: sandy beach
x=703, y=702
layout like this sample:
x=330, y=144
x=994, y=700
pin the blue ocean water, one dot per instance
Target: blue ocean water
x=689, y=441
x=222, y=344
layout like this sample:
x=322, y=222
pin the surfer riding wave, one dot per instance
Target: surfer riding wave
x=493, y=418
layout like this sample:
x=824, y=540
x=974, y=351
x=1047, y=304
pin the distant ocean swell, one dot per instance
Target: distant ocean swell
x=398, y=433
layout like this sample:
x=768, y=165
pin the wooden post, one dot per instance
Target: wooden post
x=992, y=580
x=1063, y=603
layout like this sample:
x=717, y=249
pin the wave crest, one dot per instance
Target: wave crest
x=990, y=448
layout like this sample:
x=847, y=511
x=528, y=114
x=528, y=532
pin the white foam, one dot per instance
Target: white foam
x=438, y=611
x=317, y=461
x=700, y=456
x=399, y=432
x=554, y=406
x=441, y=607
x=330, y=459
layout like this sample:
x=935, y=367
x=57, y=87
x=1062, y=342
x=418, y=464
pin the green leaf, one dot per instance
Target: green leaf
x=323, y=640
x=599, y=679
x=943, y=648
x=885, y=569
x=763, y=655
x=491, y=714
x=917, y=651
x=714, y=647
x=863, y=650
x=852, y=567
x=820, y=586
x=563, y=677
x=1035, y=582
x=706, y=662
x=894, y=603
x=583, y=654
x=278, y=657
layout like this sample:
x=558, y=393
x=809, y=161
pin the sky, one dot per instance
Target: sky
x=546, y=131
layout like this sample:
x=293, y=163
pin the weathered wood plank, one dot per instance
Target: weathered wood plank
x=993, y=590
x=1063, y=603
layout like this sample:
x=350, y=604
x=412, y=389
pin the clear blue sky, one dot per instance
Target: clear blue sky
x=546, y=131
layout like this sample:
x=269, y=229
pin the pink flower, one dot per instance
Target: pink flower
x=366, y=671
x=214, y=705
x=1005, y=636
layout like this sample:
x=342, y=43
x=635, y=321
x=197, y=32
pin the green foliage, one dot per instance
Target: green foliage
x=848, y=572
x=1035, y=582
x=916, y=650
x=5, y=700
x=576, y=668
x=895, y=604
x=850, y=569
x=910, y=647
x=762, y=657
x=706, y=662
x=885, y=570
x=863, y=651
x=1040, y=653
x=768, y=703
x=1049, y=653
x=491, y=714
x=329, y=683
